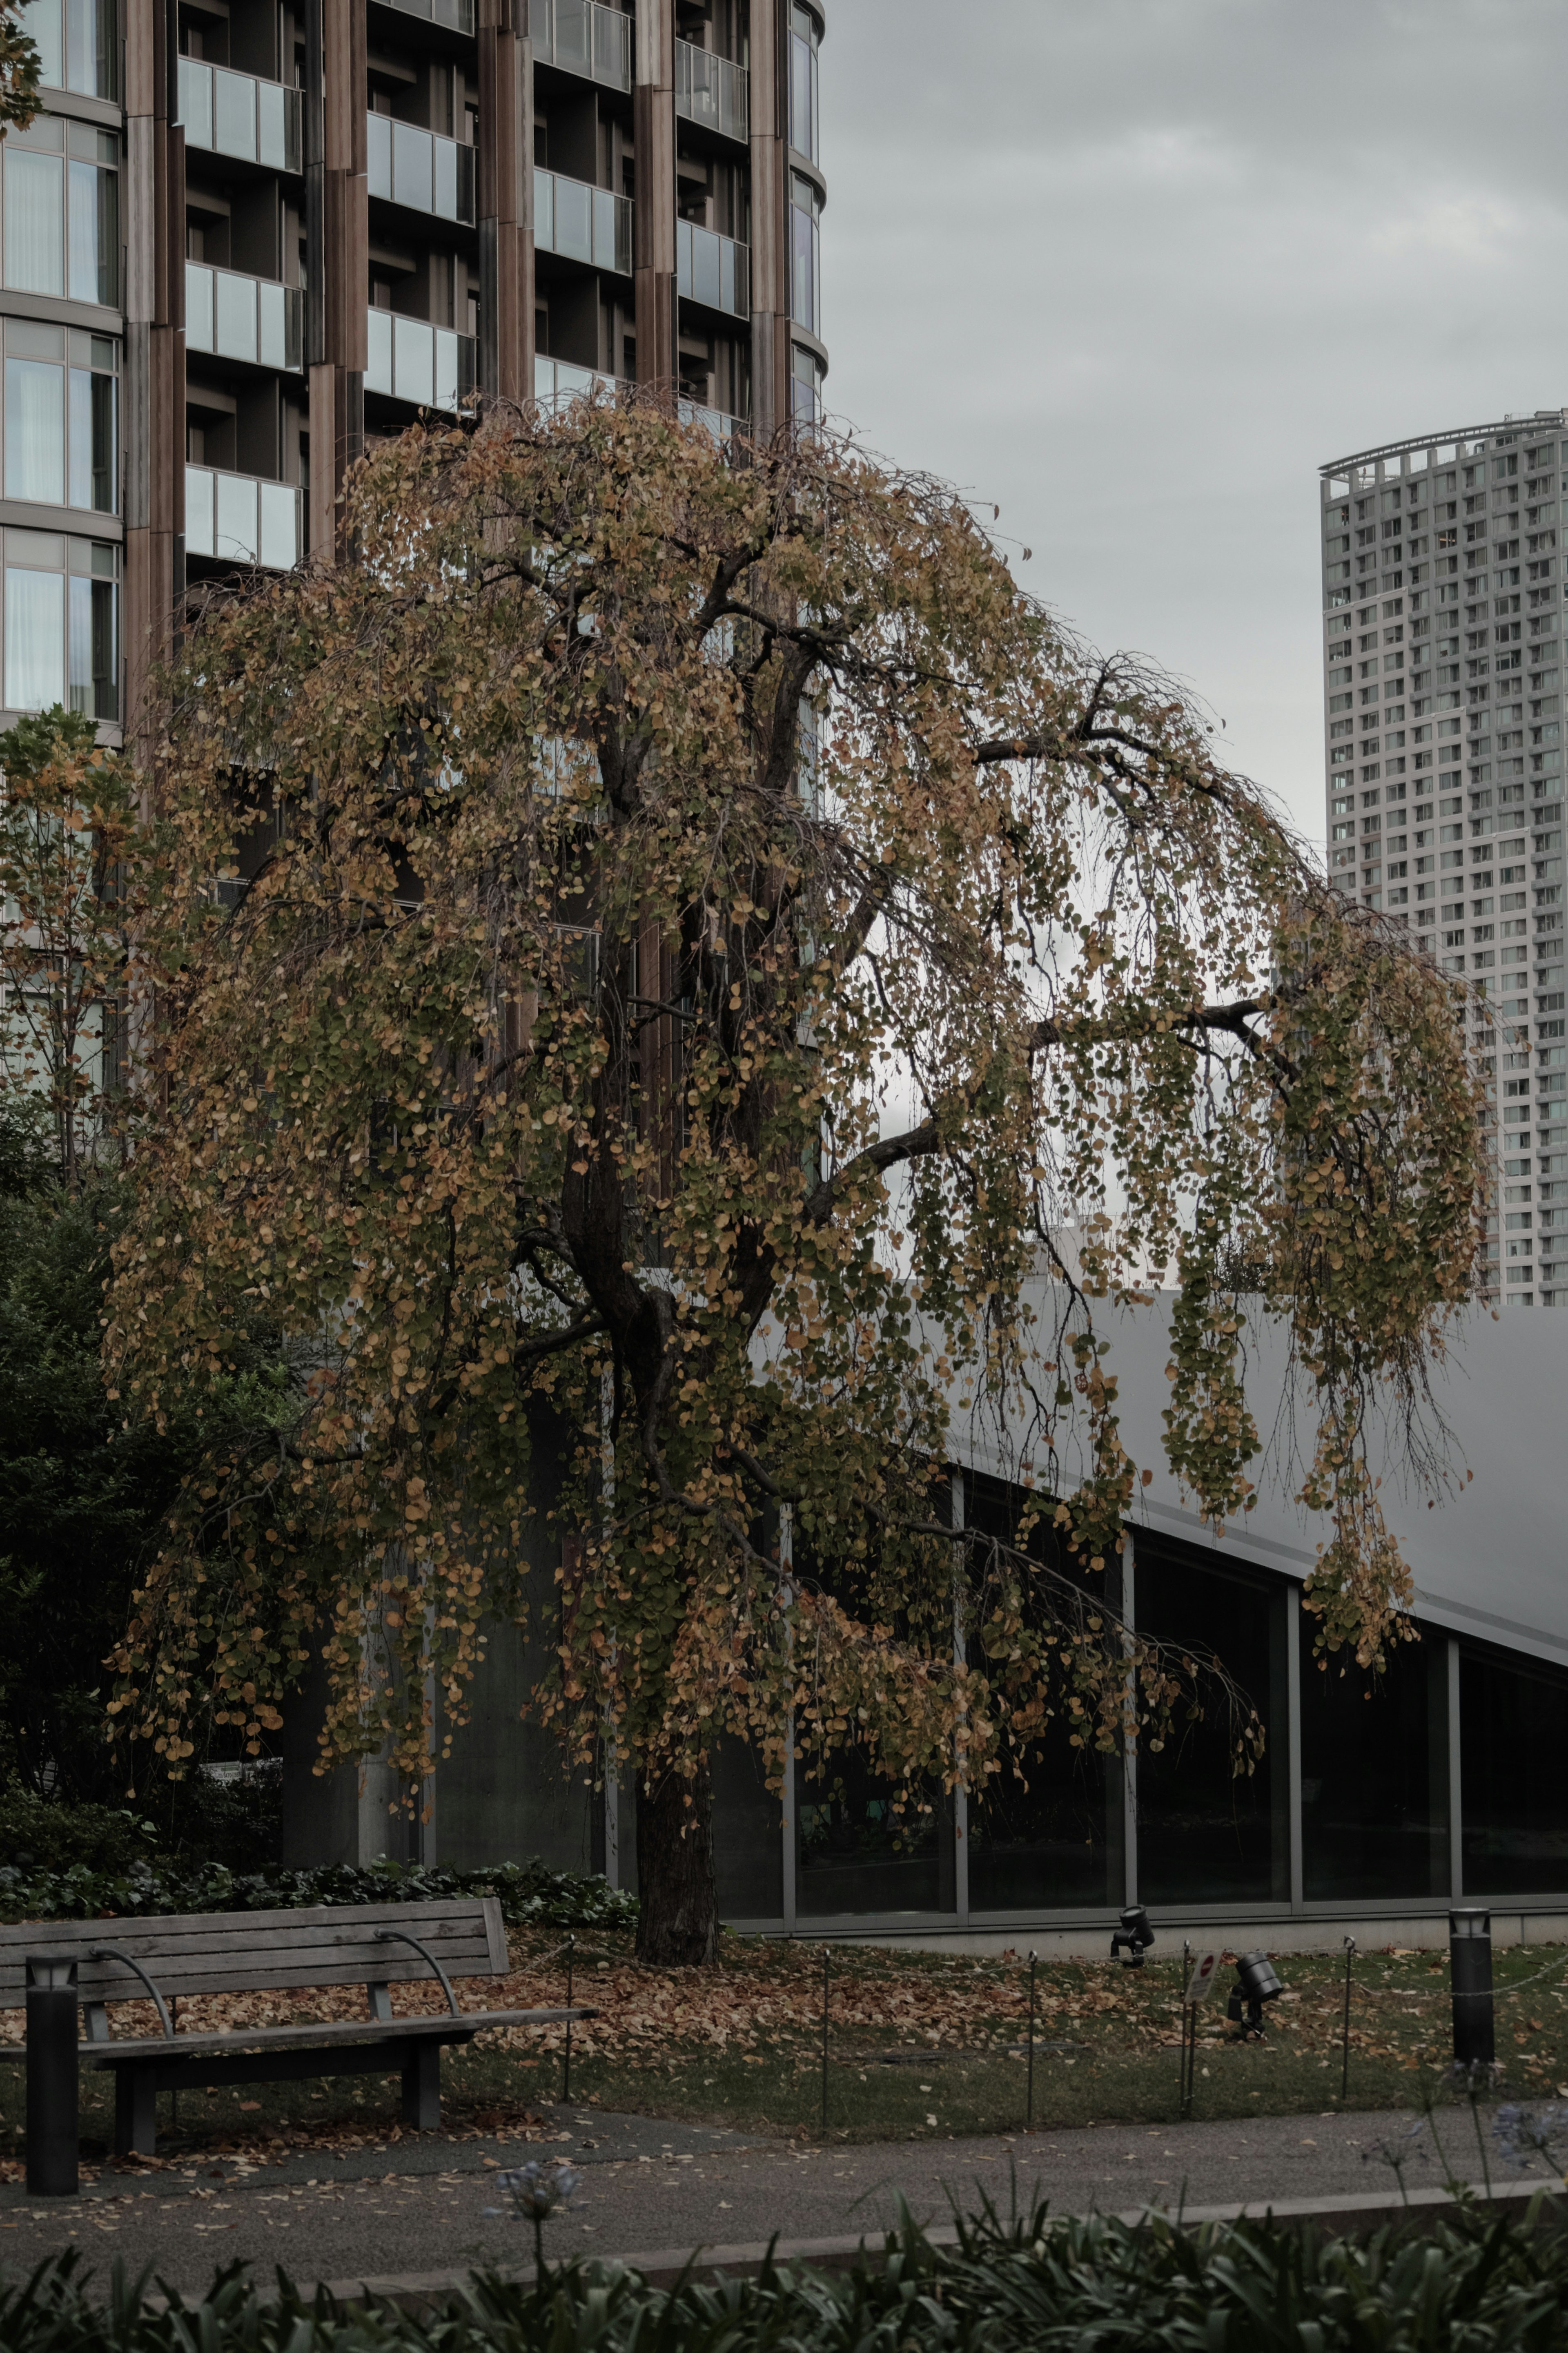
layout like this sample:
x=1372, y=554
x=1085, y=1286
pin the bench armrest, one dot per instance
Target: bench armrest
x=128, y=1960
x=401, y=1937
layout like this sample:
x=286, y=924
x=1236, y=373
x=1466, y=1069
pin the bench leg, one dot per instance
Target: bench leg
x=422, y=2086
x=135, y=2113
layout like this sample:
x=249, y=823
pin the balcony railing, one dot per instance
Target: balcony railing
x=723, y=428
x=557, y=382
x=242, y=521
x=585, y=38
x=242, y=318
x=431, y=367
x=236, y=114
x=582, y=224
x=420, y=169
x=711, y=90
x=457, y=15
x=713, y=269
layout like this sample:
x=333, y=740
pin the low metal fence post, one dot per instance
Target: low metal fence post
x=1030, y=2112
x=1345, y=2070
x=566, y=2067
x=53, y=2080
x=825, y=1964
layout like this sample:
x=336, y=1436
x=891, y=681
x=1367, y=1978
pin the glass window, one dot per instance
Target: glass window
x=748, y=1835
x=35, y=636
x=1374, y=1773
x=1050, y=1833
x=1514, y=1763
x=62, y=218
x=865, y=1844
x=76, y=42
x=805, y=386
x=1206, y=1834
x=806, y=295
x=35, y=222
x=59, y=441
x=803, y=92
x=62, y=624
x=34, y=431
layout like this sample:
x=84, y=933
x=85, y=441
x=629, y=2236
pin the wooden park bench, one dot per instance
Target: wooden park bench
x=163, y=1960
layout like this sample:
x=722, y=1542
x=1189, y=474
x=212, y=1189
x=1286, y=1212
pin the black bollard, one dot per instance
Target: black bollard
x=1470, y=1983
x=52, y=2080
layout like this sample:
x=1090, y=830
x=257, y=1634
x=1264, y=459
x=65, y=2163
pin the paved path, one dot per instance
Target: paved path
x=646, y=2184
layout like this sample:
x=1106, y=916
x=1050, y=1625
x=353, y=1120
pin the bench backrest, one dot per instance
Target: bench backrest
x=245, y=1952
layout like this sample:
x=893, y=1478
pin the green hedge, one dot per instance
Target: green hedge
x=1025, y=2286
x=531, y=1894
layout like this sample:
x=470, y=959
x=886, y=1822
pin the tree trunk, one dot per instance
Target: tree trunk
x=678, y=1924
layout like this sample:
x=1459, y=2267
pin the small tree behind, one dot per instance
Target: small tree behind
x=703, y=942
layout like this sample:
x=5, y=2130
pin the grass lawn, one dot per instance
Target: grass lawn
x=919, y=2045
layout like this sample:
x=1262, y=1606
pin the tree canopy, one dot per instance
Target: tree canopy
x=653, y=961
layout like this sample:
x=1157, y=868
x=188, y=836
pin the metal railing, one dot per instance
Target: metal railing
x=723, y=428
x=421, y=169
x=711, y=90
x=241, y=519
x=585, y=38
x=242, y=318
x=581, y=222
x=457, y=15
x=410, y=360
x=238, y=114
x=713, y=269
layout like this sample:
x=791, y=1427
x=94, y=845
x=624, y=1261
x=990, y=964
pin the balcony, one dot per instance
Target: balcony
x=711, y=92
x=581, y=222
x=239, y=520
x=236, y=114
x=584, y=38
x=713, y=269
x=420, y=169
x=431, y=367
x=557, y=382
x=723, y=428
x=457, y=15
x=241, y=318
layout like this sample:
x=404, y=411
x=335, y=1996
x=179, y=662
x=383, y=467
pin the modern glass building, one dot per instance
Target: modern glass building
x=1443, y=617
x=246, y=238
x=1378, y=1802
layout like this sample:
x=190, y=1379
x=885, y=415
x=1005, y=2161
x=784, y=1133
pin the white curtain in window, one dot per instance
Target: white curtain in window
x=35, y=223
x=35, y=431
x=85, y=284
x=35, y=639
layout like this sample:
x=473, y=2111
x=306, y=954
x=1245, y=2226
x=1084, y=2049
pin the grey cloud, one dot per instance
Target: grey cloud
x=1136, y=268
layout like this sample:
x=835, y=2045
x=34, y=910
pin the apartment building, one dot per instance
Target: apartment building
x=1443, y=618
x=245, y=239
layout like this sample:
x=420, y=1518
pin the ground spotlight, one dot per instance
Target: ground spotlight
x=1256, y=1983
x=1134, y=1937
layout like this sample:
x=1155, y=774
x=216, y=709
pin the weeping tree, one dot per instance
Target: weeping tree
x=666, y=975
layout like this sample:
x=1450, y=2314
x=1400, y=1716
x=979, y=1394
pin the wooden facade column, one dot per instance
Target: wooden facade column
x=770, y=218
x=154, y=207
x=337, y=218
x=653, y=129
x=506, y=200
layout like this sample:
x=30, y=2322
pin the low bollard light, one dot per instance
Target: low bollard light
x=1471, y=1984
x=52, y=2077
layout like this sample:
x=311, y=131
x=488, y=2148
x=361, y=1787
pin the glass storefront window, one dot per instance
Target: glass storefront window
x=1513, y=1768
x=76, y=44
x=1205, y=1834
x=748, y=1835
x=865, y=1844
x=59, y=420
x=61, y=206
x=1374, y=1815
x=1047, y=1831
x=805, y=242
x=61, y=624
x=804, y=35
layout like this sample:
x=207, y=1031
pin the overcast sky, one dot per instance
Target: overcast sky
x=1136, y=268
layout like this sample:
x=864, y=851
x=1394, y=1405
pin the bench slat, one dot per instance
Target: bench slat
x=232, y=1952
x=148, y=2047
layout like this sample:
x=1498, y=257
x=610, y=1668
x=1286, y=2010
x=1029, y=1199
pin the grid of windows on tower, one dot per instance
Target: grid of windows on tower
x=1443, y=593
